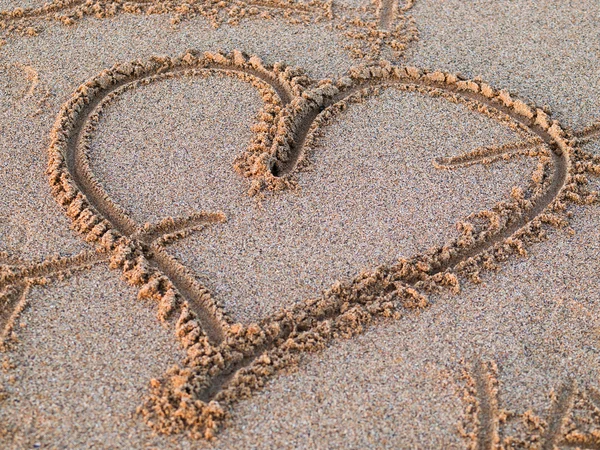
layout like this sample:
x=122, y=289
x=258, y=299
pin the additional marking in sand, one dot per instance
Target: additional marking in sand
x=359, y=26
x=172, y=229
x=589, y=133
x=33, y=89
x=228, y=361
x=583, y=424
x=561, y=407
x=573, y=418
x=386, y=12
x=12, y=302
x=487, y=411
x=483, y=416
x=484, y=155
x=594, y=395
x=17, y=277
x=487, y=155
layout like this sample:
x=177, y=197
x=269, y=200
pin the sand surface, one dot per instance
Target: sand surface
x=372, y=197
x=512, y=358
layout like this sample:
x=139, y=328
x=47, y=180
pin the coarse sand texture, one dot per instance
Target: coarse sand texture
x=299, y=224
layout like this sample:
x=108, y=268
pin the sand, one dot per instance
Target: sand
x=381, y=191
x=388, y=354
x=545, y=51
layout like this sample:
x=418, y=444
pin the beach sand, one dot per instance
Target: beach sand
x=512, y=355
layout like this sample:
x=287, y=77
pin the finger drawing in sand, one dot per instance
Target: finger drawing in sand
x=369, y=30
x=25, y=86
x=507, y=151
x=572, y=420
x=226, y=359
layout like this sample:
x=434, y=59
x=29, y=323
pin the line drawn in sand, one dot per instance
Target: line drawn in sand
x=388, y=10
x=33, y=88
x=490, y=154
x=18, y=277
x=572, y=420
x=369, y=29
x=227, y=361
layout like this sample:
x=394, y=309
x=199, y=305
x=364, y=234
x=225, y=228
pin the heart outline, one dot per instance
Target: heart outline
x=197, y=397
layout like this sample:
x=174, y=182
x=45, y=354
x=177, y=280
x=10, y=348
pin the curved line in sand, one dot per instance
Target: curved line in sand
x=559, y=154
x=77, y=157
x=560, y=160
x=290, y=332
x=77, y=164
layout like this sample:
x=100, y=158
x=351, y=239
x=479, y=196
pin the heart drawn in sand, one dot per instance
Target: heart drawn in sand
x=226, y=360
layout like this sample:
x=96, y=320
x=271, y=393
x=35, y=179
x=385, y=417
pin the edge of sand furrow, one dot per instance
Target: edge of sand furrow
x=250, y=355
x=358, y=26
x=104, y=222
x=386, y=11
x=225, y=361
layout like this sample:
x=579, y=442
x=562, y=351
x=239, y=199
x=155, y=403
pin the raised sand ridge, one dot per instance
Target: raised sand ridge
x=245, y=355
x=227, y=361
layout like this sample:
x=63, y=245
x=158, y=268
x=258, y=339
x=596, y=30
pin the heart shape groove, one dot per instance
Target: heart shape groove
x=227, y=361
